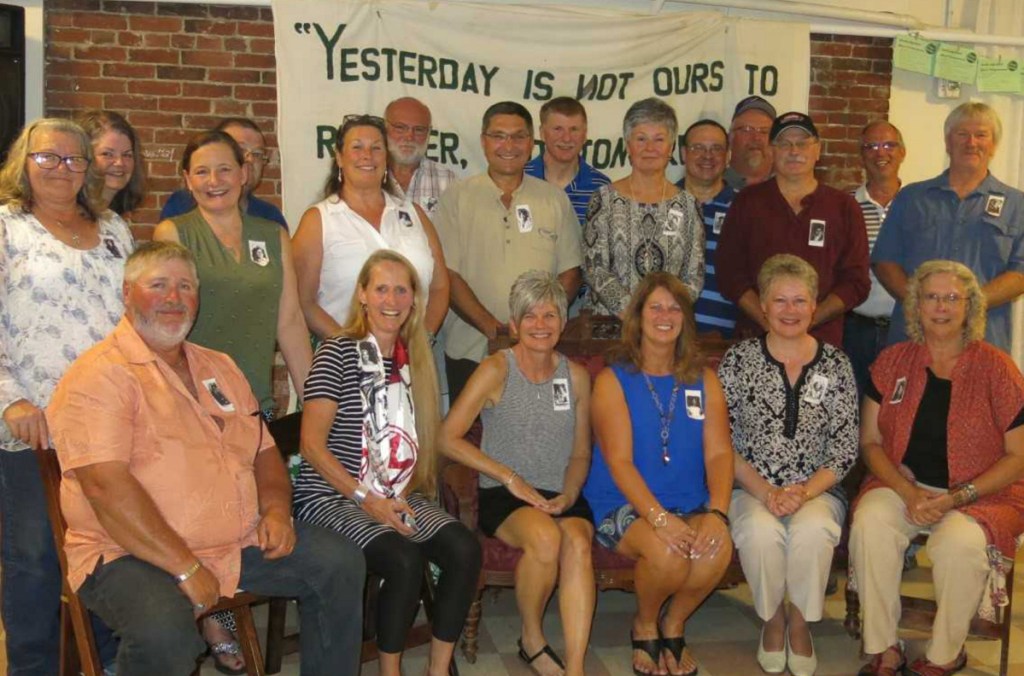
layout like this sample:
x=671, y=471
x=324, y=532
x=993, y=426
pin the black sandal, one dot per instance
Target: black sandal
x=546, y=650
x=651, y=646
x=676, y=645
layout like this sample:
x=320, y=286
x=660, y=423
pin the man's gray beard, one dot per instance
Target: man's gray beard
x=409, y=161
x=157, y=337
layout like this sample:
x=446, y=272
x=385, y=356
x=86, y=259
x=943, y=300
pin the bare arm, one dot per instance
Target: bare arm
x=292, y=336
x=892, y=277
x=570, y=280
x=274, y=489
x=308, y=257
x=750, y=304
x=579, y=462
x=829, y=308
x=468, y=306
x=718, y=453
x=438, y=293
x=874, y=455
x=1003, y=288
x=166, y=231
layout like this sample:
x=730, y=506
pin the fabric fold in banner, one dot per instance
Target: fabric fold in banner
x=336, y=58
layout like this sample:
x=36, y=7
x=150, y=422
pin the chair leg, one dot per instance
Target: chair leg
x=248, y=641
x=471, y=632
x=277, y=614
x=1007, y=618
x=852, y=621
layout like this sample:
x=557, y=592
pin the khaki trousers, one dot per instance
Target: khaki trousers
x=956, y=547
x=789, y=555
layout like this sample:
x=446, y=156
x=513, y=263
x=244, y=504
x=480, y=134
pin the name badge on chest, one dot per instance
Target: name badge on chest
x=899, y=390
x=218, y=395
x=716, y=225
x=994, y=205
x=258, y=253
x=524, y=219
x=694, y=404
x=816, y=233
x=560, y=394
x=816, y=388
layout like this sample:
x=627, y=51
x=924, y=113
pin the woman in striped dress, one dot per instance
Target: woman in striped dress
x=369, y=428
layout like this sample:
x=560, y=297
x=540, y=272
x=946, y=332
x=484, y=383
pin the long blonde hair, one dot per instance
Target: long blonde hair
x=421, y=365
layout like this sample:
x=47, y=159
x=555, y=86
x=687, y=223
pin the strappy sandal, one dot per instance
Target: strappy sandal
x=676, y=646
x=227, y=648
x=546, y=650
x=651, y=646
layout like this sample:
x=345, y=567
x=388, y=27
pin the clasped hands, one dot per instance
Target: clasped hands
x=785, y=500
x=925, y=507
x=529, y=494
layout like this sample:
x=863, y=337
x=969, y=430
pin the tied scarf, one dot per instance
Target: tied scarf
x=389, y=422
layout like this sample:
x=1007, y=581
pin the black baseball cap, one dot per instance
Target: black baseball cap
x=754, y=103
x=793, y=120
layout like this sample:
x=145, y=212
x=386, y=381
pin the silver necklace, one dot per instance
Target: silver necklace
x=665, y=417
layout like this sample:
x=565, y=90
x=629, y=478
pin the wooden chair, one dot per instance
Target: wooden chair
x=286, y=431
x=919, y=615
x=78, y=654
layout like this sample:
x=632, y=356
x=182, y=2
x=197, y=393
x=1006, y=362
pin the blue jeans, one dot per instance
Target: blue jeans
x=30, y=582
x=862, y=341
x=154, y=620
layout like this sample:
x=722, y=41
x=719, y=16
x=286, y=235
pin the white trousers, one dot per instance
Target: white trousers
x=792, y=554
x=956, y=547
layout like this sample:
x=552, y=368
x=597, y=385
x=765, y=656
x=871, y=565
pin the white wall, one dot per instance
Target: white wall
x=33, y=56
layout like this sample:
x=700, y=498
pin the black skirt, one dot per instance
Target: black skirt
x=497, y=503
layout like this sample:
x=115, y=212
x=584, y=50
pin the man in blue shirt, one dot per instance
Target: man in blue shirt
x=703, y=153
x=248, y=135
x=965, y=214
x=563, y=129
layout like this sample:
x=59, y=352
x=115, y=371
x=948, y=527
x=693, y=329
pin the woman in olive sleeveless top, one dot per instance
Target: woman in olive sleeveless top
x=535, y=406
x=247, y=294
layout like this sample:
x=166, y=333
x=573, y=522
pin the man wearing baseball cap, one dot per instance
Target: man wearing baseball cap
x=793, y=213
x=751, y=154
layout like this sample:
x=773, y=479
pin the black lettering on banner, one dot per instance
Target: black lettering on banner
x=469, y=81
x=406, y=67
x=602, y=87
x=371, y=68
x=765, y=85
x=488, y=76
x=691, y=78
x=449, y=74
x=389, y=54
x=325, y=137
x=448, y=143
x=717, y=81
x=541, y=83
x=328, y=43
x=345, y=65
x=428, y=66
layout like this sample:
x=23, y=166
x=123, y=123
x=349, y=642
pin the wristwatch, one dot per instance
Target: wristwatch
x=359, y=494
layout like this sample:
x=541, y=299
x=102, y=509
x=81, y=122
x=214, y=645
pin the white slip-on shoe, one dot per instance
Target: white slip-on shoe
x=801, y=665
x=771, y=662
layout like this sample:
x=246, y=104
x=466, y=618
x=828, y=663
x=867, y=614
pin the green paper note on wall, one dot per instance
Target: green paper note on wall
x=956, y=63
x=996, y=75
x=913, y=53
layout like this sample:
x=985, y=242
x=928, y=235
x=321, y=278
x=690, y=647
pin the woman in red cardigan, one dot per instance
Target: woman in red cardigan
x=942, y=436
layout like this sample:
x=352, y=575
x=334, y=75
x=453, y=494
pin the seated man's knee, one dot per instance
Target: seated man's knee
x=332, y=560
x=168, y=640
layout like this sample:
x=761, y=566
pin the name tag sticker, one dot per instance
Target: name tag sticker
x=218, y=395
x=816, y=388
x=694, y=404
x=716, y=226
x=524, y=219
x=994, y=205
x=110, y=244
x=898, y=391
x=405, y=218
x=258, y=253
x=560, y=394
x=429, y=204
x=816, y=233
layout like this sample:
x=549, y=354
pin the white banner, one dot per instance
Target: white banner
x=337, y=58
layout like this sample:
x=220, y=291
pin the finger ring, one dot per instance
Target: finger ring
x=714, y=541
x=200, y=606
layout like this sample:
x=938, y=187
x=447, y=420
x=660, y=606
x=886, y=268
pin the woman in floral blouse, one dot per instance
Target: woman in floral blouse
x=793, y=413
x=61, y=264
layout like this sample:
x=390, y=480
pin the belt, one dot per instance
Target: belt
x=881, y=321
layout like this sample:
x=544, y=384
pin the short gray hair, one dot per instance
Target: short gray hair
x=650, y=111
x=533, y=287
x=786, y=265
x=881, y=122
x=977, y=304
x=151, y=253
x=974, y=110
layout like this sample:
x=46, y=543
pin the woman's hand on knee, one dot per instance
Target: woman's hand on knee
x=711, y=534
x=678, y=535
x=389, y=512
x=528, y=494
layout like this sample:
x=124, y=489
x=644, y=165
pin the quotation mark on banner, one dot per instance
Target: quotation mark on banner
x=301, y=28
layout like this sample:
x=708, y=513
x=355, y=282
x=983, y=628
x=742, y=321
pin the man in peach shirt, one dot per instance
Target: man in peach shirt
x=175, y=494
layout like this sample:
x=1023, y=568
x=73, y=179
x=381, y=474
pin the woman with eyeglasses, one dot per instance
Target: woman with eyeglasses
x=117, y=159
x=793, y=417
x=248, y=305
x=61, y=262
x=642, y=223
x=360, y=213
x=942, y=435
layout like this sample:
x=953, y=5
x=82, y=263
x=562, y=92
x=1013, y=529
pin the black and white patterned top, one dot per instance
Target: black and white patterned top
x=335, y=376
x=624, y=240
x=785, y=432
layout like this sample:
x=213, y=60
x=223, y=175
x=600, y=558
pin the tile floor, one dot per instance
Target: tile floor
x=723, y=633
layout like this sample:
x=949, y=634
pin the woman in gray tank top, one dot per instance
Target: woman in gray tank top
x=535, y=407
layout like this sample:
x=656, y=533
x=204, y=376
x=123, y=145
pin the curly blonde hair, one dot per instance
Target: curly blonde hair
x=977, y=305
x=688, y=357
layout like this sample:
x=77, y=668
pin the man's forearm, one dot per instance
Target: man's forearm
x=132, y=519
x=570, y=280
x=892, y=277
x=468, y=306
x=1004, y=288
x=829, y=308
x=273, y=487
x=751, y=306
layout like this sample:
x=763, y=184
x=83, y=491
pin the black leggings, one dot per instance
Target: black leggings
x=399, y=561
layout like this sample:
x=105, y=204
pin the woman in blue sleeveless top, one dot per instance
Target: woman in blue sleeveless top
x=662, y=470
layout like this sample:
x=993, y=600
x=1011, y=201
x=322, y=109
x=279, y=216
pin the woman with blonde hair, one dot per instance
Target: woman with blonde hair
x=369, y=433
x=662, y=471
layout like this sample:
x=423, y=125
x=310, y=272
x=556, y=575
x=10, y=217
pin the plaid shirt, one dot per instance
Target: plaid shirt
x=430, y=180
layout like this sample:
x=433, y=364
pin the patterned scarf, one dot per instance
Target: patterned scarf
x=389, y=422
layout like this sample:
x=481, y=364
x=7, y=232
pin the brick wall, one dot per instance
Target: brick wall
x=173, y=69
x=850, y=82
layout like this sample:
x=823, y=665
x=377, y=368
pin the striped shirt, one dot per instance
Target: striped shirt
x=335, y=376
x=580, y=188
x=428, y=182
x=879, y=303
x=713, y=311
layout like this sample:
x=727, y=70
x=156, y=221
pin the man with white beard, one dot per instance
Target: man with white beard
x=417, y=178
x=750, y=158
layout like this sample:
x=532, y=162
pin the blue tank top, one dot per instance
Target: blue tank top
x=680, y=484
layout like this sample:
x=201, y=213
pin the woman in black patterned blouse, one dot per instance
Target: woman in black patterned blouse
x=793, y=413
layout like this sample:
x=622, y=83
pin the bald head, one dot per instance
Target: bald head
x=881, y=151
x=408, y=125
